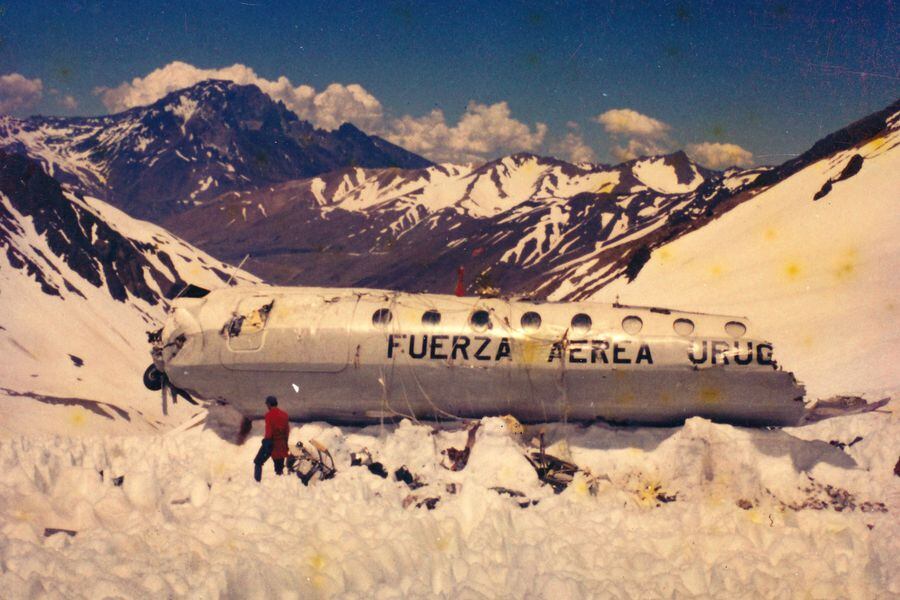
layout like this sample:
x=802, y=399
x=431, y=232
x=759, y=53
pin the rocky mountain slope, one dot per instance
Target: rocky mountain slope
x=524, y=224
x=80, y=284
x=192, y=144
x=510, y=218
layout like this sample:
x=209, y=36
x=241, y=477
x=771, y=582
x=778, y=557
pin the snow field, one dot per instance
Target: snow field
x=188, y=520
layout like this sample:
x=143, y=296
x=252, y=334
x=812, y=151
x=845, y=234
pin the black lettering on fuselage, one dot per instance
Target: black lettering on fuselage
x=737, y=354
x=412, y=347
x=617, y=354
x=719, y=351
x=460, y=345
x=575, y=348
x=391, y=345
x=598, y=351
x=644, y=354
x=437, y=343
x=692, y=353
x=555, y=352
x=479, y=354
x=503, y=350
x=764, y=355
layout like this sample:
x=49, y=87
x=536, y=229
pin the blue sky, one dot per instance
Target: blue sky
x=769, y=77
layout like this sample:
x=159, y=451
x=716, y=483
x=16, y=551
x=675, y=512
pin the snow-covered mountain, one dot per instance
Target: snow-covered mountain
x=814, y=260
x=80, y=284
x=193, y=144
x=523, y=223
x=410, y=229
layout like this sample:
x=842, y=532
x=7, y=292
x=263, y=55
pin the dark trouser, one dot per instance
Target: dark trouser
x=265, y=451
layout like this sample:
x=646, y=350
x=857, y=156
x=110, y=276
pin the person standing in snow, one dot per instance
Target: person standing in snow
x=275, y=441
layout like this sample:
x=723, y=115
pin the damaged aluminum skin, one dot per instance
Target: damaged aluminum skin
x=357, y=355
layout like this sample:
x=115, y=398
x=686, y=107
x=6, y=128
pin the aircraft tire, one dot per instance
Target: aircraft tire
x=153, y=379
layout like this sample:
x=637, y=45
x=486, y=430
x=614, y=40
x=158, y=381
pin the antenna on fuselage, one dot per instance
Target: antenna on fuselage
x=236, y=269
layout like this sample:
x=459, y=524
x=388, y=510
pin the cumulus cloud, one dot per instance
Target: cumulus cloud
x=631, y=123
x=17, y=92
x=68, y=102
x=328, y=109
x=637, y=148
x=573, y=147
x=482, y=130
x=718, y=156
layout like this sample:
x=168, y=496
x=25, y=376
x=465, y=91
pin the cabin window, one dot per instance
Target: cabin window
x=431, y=318
x=581, y=323
x=683, y=326
x=735, y=329
x=480, y=320
x=530, y=321
x=382, y=318
x=632, y=325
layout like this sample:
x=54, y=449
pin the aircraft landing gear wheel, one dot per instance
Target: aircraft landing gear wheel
x=153, y=379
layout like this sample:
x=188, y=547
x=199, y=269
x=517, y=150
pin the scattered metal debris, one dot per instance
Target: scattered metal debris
x=309, y=467
x=525, y=503
x=841, y=405
x=824, y=496
x=429, y=503
x=48, y=531
x=413, y=481
x=363, y=458
x=843, y=445
x=554, y=471
x=458, y=459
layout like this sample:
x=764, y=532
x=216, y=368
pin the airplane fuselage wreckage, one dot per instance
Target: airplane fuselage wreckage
x=358, y=355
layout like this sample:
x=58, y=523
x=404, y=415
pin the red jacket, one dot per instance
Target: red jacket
x=277, y=429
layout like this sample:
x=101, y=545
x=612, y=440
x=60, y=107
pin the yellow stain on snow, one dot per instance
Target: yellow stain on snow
x=77, y=417
x=770, y=234
x=807, y=341
x=317, y=563
x=23, y=515
x=847, y=265
x=755, y=516
x=580, y=485
x=710, y=395
x=605, y=188
x=665, y=255
x=873, y=145
x=716, y=271
x=793, y=271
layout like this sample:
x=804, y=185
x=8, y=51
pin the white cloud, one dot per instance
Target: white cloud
x=718, y=156
x=573, y=148
x=630, y=123
x=337, y=104
x=68, y=102
x=636, y=148
x=17, y=92
x=341, y=103
x=482, y=130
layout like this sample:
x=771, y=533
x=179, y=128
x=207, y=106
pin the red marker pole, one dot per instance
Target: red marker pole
x=460, y=288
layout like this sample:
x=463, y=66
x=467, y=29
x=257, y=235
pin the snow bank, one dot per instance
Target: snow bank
x=702, y=510
x=816, y=277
